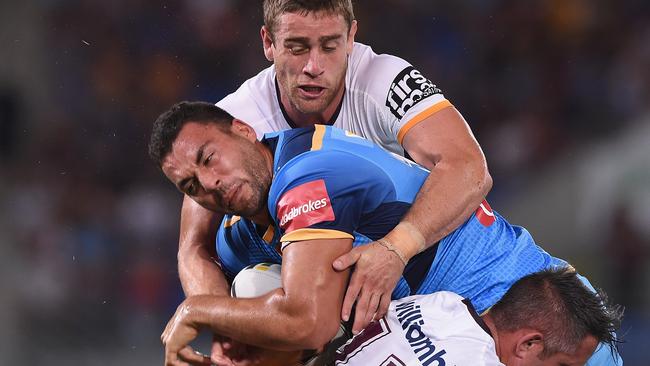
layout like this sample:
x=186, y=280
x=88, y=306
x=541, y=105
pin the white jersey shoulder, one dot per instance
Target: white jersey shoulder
x=384, y=97
x=423, y=330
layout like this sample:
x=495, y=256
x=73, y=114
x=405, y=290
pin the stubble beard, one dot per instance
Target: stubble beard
x=260, y=182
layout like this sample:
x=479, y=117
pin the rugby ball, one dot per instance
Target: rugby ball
x=256, y=280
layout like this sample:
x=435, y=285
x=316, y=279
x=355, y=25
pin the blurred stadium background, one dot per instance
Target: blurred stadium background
x=557, y=92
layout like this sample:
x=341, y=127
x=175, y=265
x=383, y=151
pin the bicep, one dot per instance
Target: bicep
x=444, y=135
x=308, y=278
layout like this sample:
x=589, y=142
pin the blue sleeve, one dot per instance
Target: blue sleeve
x=323, y=194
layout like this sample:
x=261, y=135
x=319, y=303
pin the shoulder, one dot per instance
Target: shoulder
x=255, y=102
x=373, y=72
x=323, y=151
x=364, y=61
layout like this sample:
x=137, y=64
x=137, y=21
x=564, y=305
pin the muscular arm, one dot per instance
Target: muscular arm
x=303, y=314
x=458, y=182
x=198, y=272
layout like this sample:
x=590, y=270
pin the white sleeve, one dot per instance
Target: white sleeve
x=401, y=94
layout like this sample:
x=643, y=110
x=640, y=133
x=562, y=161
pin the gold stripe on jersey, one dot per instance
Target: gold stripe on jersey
x=231, y=221
x=317, y=139
x=314, y=234
x=421, y=117
x=268, y=234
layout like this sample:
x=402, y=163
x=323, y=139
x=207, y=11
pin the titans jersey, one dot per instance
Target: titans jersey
x=437, y=329
x=384, y=97
x=329, y=183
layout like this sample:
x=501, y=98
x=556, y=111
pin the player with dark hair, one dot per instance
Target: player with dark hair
x=302, y=197
x=545, y=318
x=320, y=75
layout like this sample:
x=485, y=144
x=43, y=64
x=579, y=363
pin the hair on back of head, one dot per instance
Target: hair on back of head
x=169, y=123
x=561, y=307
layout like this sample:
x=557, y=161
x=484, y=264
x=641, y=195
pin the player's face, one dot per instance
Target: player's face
x=224, y=172
x=310, y=53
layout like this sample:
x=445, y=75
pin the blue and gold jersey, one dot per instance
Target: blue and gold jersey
x=329, y=183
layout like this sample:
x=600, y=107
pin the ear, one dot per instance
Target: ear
x=530, y=344
x=243, y=129
x=351, y=34
x=267, y=43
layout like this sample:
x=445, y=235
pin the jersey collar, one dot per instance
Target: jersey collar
x=477, y=317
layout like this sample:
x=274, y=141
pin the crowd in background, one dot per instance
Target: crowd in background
x=89, y=226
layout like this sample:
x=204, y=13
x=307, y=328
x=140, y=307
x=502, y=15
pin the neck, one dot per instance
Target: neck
x=487, y=318
x=262, y=218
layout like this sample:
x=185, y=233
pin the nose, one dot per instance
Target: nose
x=314, y=66
x=209, y=180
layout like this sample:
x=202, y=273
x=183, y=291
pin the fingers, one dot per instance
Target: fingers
x=193, y=357
x=366, y=306
x=172, y=358
x=383, y=306
x=371, y=314
x=221, y=360
x=351, y=296
x=347, y=260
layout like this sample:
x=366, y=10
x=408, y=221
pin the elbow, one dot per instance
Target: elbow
x=317, y=334
x=311, y=329
x=480, y=176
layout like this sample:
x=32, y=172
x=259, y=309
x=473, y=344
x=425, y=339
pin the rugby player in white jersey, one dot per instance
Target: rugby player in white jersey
x=546, y=318
x=320, y=75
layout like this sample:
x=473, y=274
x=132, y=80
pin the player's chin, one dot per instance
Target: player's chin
x=311, y=106
x=248, y=209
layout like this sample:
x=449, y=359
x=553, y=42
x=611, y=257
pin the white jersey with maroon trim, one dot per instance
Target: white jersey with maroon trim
x=424, y=330
x=384, y=97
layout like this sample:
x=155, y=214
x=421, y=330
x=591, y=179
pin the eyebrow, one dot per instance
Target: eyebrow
x=199, y=156
x=199, y=153
x=322, y=39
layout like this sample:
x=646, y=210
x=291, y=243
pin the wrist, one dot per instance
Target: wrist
x=407, y=239
x=391, y=248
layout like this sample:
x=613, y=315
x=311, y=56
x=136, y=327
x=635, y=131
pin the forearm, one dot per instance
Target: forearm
x=272, y=321
x=198, y=272
x=458, y=182
x=447, y=198
x=302, y=314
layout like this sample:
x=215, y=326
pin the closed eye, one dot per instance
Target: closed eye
x=208, y=159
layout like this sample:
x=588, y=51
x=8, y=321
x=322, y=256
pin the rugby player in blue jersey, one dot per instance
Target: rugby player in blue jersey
x=303, y=197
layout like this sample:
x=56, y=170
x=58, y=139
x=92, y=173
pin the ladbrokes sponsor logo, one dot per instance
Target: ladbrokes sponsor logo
x=307, y=207
x=408, y=88
x=304, y=205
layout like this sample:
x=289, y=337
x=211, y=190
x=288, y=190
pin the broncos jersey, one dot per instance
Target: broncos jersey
x=329, y=183
x=384, y=98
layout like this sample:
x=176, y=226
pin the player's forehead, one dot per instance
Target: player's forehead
x=186, y=148
x=312, y=25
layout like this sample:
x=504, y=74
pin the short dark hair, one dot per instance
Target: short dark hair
x=168, y=125
x=558, y=304
x=273, y=9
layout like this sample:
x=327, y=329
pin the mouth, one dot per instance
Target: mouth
x=229, y=198
x=311, y=91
